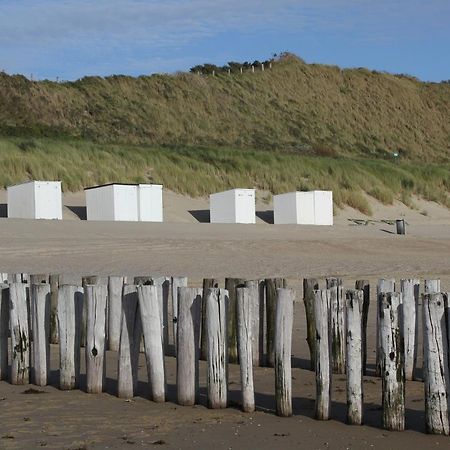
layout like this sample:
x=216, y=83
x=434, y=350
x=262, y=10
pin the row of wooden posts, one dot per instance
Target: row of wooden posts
x=248, y=322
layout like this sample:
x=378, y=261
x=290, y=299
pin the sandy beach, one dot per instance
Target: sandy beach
x=186, y=245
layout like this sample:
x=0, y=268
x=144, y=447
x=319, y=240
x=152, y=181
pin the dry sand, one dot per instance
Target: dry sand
x=183, y=246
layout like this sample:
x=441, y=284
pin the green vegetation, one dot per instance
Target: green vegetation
x=295, y=126
x=307, y=108
x=198, y=171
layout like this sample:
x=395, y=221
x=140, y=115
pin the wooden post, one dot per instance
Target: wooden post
x=163, y=288
x=410, y=300
x=4, y=330
x=15, y=278
x=447, y=315
x=89, y=280
x=255, y=320
x=40, y=315
x=176, y=283
x=354, y=316
x=130, y=338
x=216, y=338
x=337, y=323
x=149, y=306
x=245, y=331
x=364, y=285
x=115, y=287
x=282, y=346
x=310, y=285
x=231, y=284
x=96, y=297
x=272, y=284
x=70, y=312
x=208, y=283
x=392, y=362
x=54, y=287
x=188, y=329
x=384, y=285
x=20, y=338
x=432, y=286
x=323, y=354
x=436, y=369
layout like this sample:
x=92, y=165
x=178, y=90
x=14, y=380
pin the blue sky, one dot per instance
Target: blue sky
x=72, y=38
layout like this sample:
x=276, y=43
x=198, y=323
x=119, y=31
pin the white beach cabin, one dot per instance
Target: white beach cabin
x=125, y=202
x=233, y=206
x=35, y=200
x=304, y=208
x=150, y=202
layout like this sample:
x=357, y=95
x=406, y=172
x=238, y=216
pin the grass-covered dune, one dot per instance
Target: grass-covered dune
x=306, y=108
x=197, y=170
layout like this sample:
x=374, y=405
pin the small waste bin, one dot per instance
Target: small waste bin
x=400, y=223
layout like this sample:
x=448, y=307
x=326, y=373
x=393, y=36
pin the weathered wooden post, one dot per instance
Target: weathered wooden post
x=337, y=323
x=272, y=284
x=231, y=284
x=54, y=287
x=208, y=283
x=89, y=280
x=436, y=369
x=188, y=344
x=392, y=362
x=217, y=352
x=364, y=285
x=309, y=286
x=20, y=338
x=245, y=330
x=447, y=315
x=410, y=300
x=96, y=297
x=115, y=287
x=256, y=320
x=383, y=285
x=15, y=278
x=4, y=330
x=284, y=317
x=323, y=354
x=130, y=339
x=354, y=360
x=40, y=315
x=153, y=340
x=176, y=283
x=432, y=286
x=163, y=289
x=70, y=312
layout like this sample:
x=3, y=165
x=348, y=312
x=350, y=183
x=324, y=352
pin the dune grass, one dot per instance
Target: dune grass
x=308, y=108
x=198, y=171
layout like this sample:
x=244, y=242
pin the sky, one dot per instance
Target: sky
x=69, y=39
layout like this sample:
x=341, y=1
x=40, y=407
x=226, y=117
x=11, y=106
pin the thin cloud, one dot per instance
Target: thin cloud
x=77, y=34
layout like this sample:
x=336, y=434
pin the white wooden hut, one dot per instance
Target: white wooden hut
x=150, y=202
x=305, y=208
x=233, y=206
x=35, y=200
x=125, y=202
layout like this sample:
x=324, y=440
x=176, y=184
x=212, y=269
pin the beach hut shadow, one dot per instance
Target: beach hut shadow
x=201, y=215
x=79, y=211
x=3, y=210
x=265, y=216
